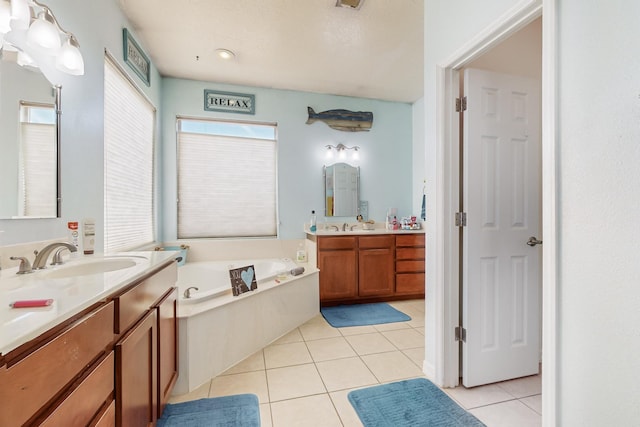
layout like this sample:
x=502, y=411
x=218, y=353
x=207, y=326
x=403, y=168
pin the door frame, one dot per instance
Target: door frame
x=446, y=292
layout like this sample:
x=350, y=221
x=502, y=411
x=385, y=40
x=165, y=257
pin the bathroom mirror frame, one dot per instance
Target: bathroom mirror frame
x=341, y=190
x=18, y=78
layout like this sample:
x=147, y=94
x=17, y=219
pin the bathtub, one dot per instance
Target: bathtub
x=212, y=278
x=217, y=330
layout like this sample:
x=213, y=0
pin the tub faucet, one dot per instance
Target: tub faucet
x=187, y=292
x=42, y=256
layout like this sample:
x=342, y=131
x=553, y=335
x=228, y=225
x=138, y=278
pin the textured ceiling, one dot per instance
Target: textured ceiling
x=304, y=45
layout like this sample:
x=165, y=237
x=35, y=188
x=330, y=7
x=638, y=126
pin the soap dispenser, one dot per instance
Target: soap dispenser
x=312, y=223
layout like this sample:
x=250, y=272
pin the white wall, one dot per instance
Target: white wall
x=97, y=25
x=385, y=154
x=599, y=150
x=598, y=156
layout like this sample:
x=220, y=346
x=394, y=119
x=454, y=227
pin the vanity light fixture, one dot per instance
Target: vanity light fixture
x=33, y=30
x=341, y=149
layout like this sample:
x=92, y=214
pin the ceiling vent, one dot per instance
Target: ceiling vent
x=351, y=4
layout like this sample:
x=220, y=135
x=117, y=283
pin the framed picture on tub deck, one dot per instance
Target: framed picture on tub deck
x=243, y=280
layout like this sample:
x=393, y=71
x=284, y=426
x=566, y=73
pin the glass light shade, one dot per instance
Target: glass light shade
x=329, y=152
x=69, y=59
x=342, y=154
x=44, y=34
x=20, y=15
x=5, y=17
x=356, y=155
x=25, y=60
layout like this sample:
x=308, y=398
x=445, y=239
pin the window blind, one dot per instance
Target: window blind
x=38, y=170
x=129, y=121
x=226, y=185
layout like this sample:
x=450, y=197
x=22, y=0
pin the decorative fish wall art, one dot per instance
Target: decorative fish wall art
x=344, y=120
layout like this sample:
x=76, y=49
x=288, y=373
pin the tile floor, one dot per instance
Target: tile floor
x=303, y=378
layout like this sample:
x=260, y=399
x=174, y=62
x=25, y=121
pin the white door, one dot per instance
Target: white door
x=501, y=276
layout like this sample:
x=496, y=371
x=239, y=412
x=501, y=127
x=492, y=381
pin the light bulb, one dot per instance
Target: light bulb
x=329, y=152
x=69, y=59
x=44, y=34
x=20, y=15
x=343, y=154
x=356, y=155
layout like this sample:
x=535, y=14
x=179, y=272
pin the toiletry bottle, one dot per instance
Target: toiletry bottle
x=88, y=235
x=301, y=254
x=312, y=224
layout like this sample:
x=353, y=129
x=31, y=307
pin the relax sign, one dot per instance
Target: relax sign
x=229, y=102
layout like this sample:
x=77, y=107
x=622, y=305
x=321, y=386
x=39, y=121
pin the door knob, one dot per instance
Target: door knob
x=533, y=241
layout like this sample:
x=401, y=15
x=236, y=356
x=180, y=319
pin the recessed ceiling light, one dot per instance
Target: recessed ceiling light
x=353, y=4
x=225, y=53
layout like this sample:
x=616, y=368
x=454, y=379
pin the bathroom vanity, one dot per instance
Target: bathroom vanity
x=104, y=354
x=369, y=265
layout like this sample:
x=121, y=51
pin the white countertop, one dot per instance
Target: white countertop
x=358, y=231
x=70, y=295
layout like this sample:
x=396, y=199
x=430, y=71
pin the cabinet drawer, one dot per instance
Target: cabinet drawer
x=108, y=417
x=375, y=242
x=33, y=381
x=409, y=266
x=410, y=239
x=410, y=283
x=83, y=403
x=133, y=304
x=336, y=243
x=410, y=253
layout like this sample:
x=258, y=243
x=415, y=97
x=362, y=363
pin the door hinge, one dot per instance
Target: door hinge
x=461, y=104
x=461, y=219
x=460, y=334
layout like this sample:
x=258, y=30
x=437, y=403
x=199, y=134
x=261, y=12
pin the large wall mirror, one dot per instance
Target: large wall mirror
x=341, y=190
x=29, y=163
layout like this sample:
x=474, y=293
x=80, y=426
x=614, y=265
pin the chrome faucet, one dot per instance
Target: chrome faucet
x=187, y=292
x=344, y=226
x=42, y=256
x=333, y=226
x=354, y=226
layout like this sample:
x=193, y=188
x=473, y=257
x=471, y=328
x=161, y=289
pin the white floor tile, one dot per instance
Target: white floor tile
x=255, y=362
x=416, y=355
x=199, y=393
x=248, y=382
x=370, y=343
x=533, y=402
x=317, y=329
x=280, y=355
x=523, y=387
x=347, y=414
x=392, y=326
x=293, y=336
x=311, y=411
x=357, y=330
x=265, y=415
x=508, y=414
x=391, y=366
x=405, y=338
x=329, y=349
x=342, y=374
x=478, y=396
x=294, y=381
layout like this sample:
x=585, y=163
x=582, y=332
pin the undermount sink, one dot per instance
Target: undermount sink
x=104, y=265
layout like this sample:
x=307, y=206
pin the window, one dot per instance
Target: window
x=38, y=161
x=226, y=179
x=129, y=121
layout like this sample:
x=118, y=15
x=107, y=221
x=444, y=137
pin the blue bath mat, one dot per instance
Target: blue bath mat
x=362, y=314
x=408, y=403
x=240, y=410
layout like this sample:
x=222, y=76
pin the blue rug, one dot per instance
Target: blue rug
x=362, y=314
x=415, y=402
x=241, y=410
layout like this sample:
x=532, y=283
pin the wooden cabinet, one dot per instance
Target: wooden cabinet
x=38, y=382
x=114, y=364
x=375, y=266
x=338, y=264
x=147, y=352
x=370, y=268
x=410, y=264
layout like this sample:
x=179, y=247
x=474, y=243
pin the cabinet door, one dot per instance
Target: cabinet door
x=377, y=275
x=338, y=274
x=136, y=375
x=167, y=347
